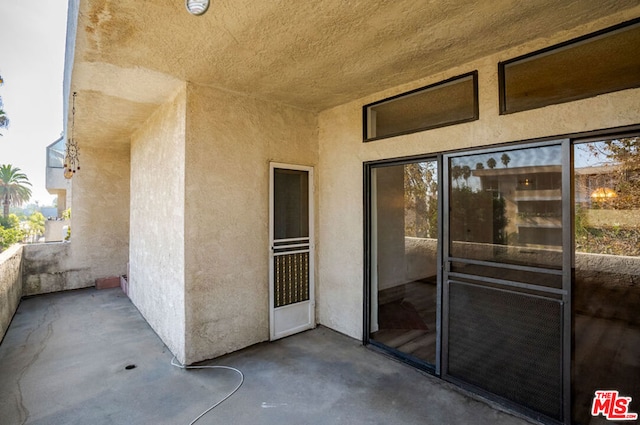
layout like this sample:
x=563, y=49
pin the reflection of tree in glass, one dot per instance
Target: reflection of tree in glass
x=456, y=173
x=421, y=199
x=466, y=173
x=477, y=216
x=506, y=159
x=624, y=155
x=609, y=224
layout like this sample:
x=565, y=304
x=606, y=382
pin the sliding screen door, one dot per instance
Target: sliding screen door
x=507, y=273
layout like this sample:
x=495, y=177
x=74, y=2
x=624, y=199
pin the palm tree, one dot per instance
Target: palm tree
x=466, y=173
x=506, y=159
x=456, y=173
x=13, y=187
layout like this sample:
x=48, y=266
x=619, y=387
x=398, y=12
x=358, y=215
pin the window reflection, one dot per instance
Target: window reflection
x=607, y=271
x=510, y=202
x=404, y=271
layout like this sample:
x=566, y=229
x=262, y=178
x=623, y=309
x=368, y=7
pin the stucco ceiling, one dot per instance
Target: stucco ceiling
x=131, y=55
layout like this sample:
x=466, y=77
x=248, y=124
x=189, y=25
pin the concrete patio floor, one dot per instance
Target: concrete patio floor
x=64, y=359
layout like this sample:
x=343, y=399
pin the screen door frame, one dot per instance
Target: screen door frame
x=294, y=317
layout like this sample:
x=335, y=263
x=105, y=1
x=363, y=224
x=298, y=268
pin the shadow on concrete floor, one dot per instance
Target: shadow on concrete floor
x=65, y=356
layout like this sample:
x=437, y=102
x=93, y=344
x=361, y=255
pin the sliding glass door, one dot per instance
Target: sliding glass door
x=404, y=244
x=507, y=275
x=606, y=287
x=514, y=272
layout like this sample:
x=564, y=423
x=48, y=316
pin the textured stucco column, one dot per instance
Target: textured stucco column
x=156, y=246
x=340, y=256
x=230, y=139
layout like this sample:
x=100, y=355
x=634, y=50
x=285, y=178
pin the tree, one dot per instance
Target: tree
x=10, y=236
x=477, y=216
x=456, y=173
x=616, y=167
x=623, y=156
x=466, y=173
x=479, y=166
x=491, y=163
x=421, y=199
x=35, y=226
x=10, y=231
x=12, y=221
x=506, y=159
x=14, y=188
x=4, y=120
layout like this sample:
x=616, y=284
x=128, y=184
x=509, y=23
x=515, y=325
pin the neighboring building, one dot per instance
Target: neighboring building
x=595, y=184
x=244, y=168
x=55, y=228
x=56, y=183
x=534, y=198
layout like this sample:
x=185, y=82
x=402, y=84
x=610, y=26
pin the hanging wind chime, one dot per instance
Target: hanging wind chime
x=71, y=159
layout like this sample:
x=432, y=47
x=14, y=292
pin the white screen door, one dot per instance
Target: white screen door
x=291, y=292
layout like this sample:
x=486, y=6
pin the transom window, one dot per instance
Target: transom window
x=445, y=103
x=602, y=62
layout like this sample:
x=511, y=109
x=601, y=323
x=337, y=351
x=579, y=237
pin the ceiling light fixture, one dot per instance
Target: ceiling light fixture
x=197, y=7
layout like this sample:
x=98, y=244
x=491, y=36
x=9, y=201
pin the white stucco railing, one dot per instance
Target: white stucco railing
x=49, y=267
x=10, y=285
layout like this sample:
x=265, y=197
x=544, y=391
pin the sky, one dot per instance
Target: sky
x=32, y=64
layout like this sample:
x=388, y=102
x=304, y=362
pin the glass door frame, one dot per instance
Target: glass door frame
x=566, y=271
x=567, y=142
x=368, y=199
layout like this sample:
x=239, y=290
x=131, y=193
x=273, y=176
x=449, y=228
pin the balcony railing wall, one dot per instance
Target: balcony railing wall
x=10, y=285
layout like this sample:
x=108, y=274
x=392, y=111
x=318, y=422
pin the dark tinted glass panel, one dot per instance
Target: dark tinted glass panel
x=598, y=64
x=501, y=273
x=405, y=267
x=291, y=203
x=606, y=286
x=446, y=103
x=506, y=207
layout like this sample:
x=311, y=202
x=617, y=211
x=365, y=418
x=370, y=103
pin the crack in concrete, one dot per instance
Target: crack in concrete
x=22, y=409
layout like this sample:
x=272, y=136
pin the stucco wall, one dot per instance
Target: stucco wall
x=342, y=153
x=156, y=246
x=100, y=212
x=230, y=141
x=56, y=230
x=10, y=285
